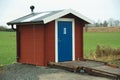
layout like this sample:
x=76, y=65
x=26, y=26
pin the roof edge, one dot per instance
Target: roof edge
x=65, y=12
x=51, y=18
x=82, y=16
x=38, y=22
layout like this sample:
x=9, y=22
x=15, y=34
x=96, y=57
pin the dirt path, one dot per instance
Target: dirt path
x=29, y=72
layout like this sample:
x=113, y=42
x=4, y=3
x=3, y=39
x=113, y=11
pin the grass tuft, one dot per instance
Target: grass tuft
x=106, y=54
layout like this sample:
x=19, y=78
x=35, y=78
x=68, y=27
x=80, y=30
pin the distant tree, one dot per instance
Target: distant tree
x=2, y=28
x=101, y=24
x=116, y=23
x=97, y=24
x=105, y=23
x=111, y=21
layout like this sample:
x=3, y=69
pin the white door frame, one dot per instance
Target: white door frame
x=56, y=37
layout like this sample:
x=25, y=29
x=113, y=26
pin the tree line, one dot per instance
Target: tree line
x=3, y=28
x=106, y=23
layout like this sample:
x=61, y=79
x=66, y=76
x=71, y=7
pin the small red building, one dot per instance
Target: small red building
x=52, y=36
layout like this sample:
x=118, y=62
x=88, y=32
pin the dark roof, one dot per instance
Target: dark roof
x=45, y=17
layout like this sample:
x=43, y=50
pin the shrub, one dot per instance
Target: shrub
x=102, y=51
x=105, y=53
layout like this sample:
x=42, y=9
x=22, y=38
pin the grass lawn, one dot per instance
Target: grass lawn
x=7, y=47
x=91, y=39
x=8, y=44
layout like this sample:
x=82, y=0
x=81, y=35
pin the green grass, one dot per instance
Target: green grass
x=91, y=39
x=8, y=44
x=7, y=47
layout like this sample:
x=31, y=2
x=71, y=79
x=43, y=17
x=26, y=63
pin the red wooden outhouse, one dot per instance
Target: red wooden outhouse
x=51, y=36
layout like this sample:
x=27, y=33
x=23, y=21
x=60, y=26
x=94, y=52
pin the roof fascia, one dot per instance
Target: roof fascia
x=65, y=12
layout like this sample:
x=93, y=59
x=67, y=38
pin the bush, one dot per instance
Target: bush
x=102, y=51
x=105, y=53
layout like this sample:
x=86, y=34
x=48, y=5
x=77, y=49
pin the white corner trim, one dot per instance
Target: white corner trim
x=56, y=37
x=56, y=41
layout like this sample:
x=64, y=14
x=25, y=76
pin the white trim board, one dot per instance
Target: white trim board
x=56, y=37
x=65, y=12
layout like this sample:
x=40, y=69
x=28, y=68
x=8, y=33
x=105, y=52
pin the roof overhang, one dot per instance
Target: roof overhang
x=48, y=18
x=65, y=12
x=22, y=23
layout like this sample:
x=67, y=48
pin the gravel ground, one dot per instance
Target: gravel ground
x=30, y=72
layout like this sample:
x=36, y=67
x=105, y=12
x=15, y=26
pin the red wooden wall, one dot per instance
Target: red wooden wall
x=32, y=44
x=50, y=42
x=37, y=42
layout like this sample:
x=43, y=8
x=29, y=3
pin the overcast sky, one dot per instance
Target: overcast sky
x=93, y=9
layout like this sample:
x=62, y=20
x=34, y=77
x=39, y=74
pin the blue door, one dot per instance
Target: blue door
x=64, y=41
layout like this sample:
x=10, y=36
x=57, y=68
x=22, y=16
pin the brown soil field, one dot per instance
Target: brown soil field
x=102, y=29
